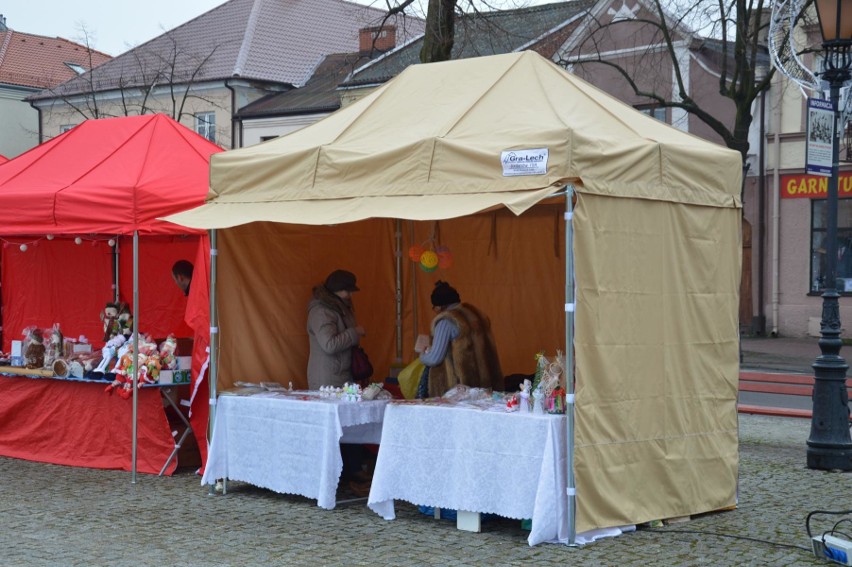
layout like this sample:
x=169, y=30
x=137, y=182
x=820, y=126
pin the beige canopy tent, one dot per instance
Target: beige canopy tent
x=652, y=242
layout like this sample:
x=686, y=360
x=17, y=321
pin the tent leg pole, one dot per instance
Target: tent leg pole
x=416, y=324
x=115, y=256
x=213, y=370
x=135, y=354
x=569, y=360
x=398, y=235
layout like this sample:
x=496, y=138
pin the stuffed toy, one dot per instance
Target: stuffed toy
x=109, y=316
x=117, y=320
x=123, y=370
x=168, y=360
x=123, y=382
x=57, y=345
x=34, y=351
x=109, y=352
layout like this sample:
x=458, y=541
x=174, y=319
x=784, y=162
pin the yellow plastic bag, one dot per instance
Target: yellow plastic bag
x=409, y=378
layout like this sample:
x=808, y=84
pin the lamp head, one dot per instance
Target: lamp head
x=835, y=20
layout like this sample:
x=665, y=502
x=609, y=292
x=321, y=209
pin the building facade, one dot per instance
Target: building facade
x=202, y=72
x=28, y=64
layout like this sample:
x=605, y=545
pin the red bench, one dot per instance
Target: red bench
x=785, y=384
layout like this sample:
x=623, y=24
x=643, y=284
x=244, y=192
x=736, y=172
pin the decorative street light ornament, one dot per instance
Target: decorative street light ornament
x=829, y=443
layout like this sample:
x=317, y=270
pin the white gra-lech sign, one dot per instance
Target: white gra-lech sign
x=524, y=162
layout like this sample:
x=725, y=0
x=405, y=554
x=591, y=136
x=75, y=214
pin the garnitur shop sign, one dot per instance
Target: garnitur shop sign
x=814, y=186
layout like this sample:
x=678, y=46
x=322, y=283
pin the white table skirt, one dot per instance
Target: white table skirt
x=466, y=459
x=288, y=445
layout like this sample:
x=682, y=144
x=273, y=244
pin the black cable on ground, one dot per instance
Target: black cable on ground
x=699, y=532
x=827, y=512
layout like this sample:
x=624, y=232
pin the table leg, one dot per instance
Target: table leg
x=186, y=431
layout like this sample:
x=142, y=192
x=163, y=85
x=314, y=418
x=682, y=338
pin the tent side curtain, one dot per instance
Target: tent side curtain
x=513, y=268
x=656, y=347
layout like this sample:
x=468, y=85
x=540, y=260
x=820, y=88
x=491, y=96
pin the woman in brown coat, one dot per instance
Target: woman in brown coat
x=332, y=331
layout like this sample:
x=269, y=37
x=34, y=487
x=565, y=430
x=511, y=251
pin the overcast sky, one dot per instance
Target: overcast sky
x=114, y=27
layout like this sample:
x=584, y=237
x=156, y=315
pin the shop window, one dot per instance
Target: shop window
x=205, y=125
x=819, y=213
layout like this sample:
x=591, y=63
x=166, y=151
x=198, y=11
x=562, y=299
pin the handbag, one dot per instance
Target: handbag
x=409, y=379
x=361, y=367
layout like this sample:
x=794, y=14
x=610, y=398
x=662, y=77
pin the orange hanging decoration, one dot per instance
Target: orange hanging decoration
x=415, y=252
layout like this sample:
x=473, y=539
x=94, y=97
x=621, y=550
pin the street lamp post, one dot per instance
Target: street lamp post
x=829, y=444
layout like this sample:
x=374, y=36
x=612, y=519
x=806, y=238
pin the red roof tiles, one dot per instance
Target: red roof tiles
x=30, y=60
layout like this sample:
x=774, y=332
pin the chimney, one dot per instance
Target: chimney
x=377, y=39
x=3, y=23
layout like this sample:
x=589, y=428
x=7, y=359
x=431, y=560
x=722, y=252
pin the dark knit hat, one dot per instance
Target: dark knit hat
x=340, y=280
x=444, y=294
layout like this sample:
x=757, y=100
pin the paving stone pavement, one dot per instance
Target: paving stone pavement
x=62, y=516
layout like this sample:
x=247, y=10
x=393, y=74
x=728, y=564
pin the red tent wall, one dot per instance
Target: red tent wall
x=162, y=305
x=61, y=282
x=55, y=282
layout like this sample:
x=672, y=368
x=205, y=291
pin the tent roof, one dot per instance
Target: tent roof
x=3, y=159
x=109, y=176
x=429, y=145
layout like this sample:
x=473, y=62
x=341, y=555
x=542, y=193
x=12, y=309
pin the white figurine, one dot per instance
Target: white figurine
x=524, y=397
x=538, y=401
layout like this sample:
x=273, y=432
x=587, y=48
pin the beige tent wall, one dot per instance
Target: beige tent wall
x=513, y=268
x=265, y=276
x=656, y=359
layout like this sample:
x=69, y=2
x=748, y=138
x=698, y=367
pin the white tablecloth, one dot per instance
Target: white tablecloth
x=288, y=445
x=457, y=458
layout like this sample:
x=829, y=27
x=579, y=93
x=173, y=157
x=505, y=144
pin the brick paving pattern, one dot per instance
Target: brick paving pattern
x=62, y=516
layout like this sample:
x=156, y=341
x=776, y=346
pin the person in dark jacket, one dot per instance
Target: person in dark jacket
x=332, y=331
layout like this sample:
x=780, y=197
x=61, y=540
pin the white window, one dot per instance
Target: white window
x=205, y=124
x=658, y=112
x=79, y=69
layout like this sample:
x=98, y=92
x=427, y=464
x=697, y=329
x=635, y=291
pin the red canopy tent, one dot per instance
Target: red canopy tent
x=99, y=181
x=3, y=159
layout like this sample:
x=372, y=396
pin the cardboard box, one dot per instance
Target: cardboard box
x=166, y=377
x=17, y=357
x=181, y=376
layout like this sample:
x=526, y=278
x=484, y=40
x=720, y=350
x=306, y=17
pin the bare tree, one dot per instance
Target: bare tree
x=144, y=81
x=733, y=41
x=441, y=16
